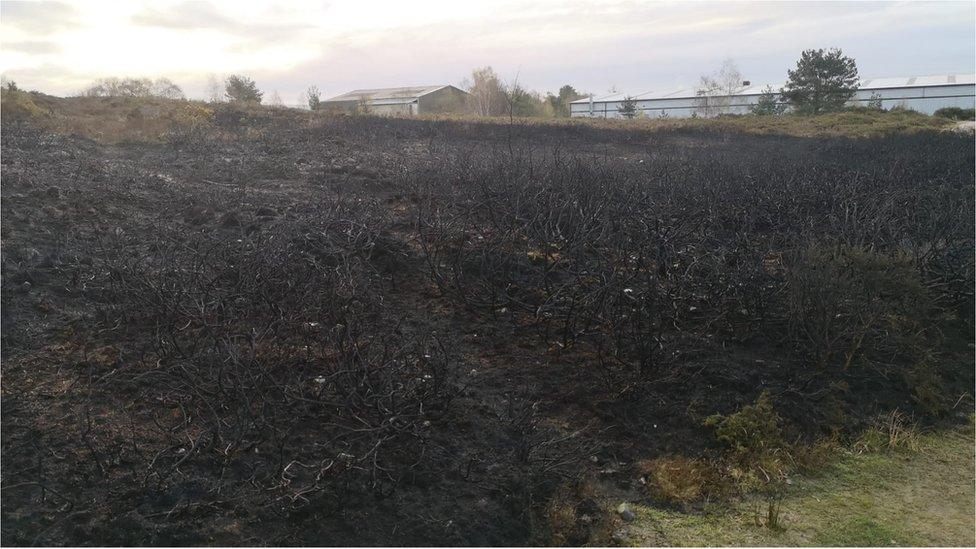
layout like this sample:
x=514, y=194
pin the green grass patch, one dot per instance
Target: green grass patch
x=893, y=498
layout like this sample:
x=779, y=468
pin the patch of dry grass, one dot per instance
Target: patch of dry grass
x=682, y=481
x=855, y=123
x=921, y=497
x=890, y=432
x=574, y=516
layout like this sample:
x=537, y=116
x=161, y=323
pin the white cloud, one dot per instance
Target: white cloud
x=346, y=44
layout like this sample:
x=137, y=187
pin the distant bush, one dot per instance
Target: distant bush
x=768, y=104
x=876, y=102
x=161, y=88
x=313, y=98
x=229, y=117
x=956, y=113
x=189, y=126
x=900, y=108
x=628, y=107
x=18, y=105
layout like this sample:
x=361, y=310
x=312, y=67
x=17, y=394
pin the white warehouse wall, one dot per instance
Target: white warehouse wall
x=924, y=99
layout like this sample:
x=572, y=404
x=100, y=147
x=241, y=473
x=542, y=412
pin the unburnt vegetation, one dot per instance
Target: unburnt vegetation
x=264, y=327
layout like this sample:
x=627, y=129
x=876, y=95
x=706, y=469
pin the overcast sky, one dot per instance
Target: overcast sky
x=59, y=47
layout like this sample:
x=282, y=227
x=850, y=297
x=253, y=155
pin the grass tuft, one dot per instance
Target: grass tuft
x=891, y=432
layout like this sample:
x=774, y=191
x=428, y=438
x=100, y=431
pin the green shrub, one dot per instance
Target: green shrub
x=752, y=431
x=760, y=458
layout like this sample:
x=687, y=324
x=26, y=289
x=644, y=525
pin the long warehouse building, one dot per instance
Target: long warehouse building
x=925, y=94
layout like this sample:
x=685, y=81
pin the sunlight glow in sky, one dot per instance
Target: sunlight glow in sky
x=60, y=46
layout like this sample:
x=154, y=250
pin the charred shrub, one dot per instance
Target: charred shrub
x=613, y=260
x=271, y=359
x=556, y=249
x=858, y=307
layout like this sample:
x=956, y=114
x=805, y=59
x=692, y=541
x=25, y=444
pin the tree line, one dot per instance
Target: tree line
x=489, y=95
x=235, y=88
x=822, y=81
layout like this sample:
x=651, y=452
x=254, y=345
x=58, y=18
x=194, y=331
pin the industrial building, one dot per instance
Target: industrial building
x=925, y=94
x=439, y=99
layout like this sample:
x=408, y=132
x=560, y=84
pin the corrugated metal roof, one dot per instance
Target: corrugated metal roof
x=393, y=101
x=866, y=84
x=916, y=81
x=397, y=95
x=680, y=92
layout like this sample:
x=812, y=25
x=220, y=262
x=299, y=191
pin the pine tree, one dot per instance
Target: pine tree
x=823, y=81
x=242, y=89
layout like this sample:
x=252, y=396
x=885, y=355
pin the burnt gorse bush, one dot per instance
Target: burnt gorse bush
x=271, y=354
x=621, y=256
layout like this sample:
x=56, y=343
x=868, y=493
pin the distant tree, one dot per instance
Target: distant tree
x=560, y=103
x=487, y=92
x=166, y=89
x=715, y=91
x=242, y=89
x=362, y=105
x=823, y=81
x=628, y=107
x=134, y=87
x=215, y=89
x=119, y=87
x=516, y=99
x=768, y=104
x=8, y=84
x=520, y=102
x=552, y=101
x=275, y=100
x=313, y=97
